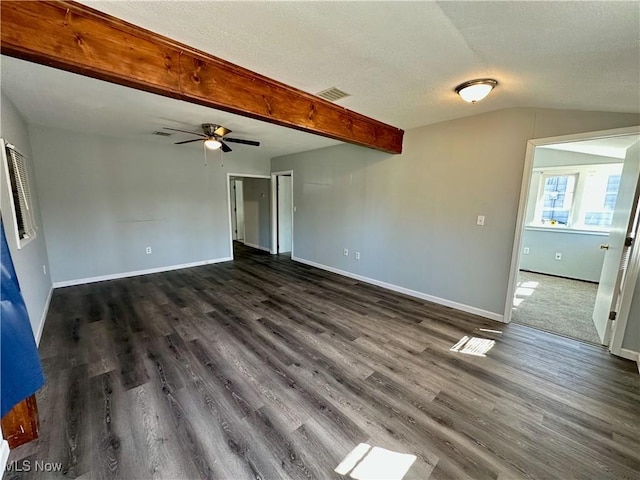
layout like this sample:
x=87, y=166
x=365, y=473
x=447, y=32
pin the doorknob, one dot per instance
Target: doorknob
x=604, y=246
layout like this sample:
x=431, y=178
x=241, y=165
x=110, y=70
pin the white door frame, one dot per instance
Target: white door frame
x=274, y=213
x=632, y=273
x=630, y=282
x=241, y=175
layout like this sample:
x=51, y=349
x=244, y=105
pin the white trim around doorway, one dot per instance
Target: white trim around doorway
x=240, y=175
x=634, y=268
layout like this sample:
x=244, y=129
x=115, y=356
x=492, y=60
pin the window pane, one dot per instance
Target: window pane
x=613, y=183
x=600, y=219
x=559, y=216
x=603, y=217
x=557, y=199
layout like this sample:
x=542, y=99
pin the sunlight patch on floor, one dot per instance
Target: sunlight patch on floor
x=375, y=463
x=523, y=290
x=473, y=346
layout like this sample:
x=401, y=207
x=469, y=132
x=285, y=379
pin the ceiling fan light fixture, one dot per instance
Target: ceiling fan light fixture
x=212, y=144
x=475, y=90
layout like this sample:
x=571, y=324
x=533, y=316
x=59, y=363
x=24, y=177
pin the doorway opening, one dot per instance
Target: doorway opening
x=577, y=220
x=249, y=212
x=282, y=188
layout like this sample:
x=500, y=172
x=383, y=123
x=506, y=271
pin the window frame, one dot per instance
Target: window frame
x=582, y=173
x=540, y=208
x=15, y=166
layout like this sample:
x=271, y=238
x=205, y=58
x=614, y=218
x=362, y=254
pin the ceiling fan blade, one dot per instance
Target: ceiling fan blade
x=221, y=131
x=185, y=131
x=244, y=142
x=225, y=148
x=188, y=141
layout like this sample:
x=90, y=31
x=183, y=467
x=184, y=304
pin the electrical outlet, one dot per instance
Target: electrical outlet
x=346, y=252
x=480, y=220
x=148, y=250
x=558, y=256
x=525, y=250
x=357, y=255
x=44, y=269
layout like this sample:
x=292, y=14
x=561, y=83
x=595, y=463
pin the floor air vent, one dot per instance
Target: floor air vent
x=332, y=94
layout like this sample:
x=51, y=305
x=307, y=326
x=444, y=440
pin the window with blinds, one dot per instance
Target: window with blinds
x=20, y=203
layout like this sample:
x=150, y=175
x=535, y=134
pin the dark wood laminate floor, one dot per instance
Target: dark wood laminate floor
x=266, y=368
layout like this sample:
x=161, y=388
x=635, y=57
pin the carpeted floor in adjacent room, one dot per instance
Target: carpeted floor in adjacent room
x=558, y=305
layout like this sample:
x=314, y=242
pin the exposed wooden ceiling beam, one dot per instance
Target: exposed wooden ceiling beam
x=79, y=39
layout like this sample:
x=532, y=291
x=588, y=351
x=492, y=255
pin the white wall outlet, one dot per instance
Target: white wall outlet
x=525, y=250
x=558, y=256
x=44, y=269
x=480, y=220
x=346, y=252
x=357, y=255
x=148, y=250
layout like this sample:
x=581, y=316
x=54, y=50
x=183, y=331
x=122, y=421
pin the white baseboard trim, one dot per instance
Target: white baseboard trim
x=412, y=293
x=253, y=245
x=44, y=316
x=630, y=355
x=114, y=276
x=4, y=455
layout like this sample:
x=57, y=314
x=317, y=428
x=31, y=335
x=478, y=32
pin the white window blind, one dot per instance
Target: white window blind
x=20, y=192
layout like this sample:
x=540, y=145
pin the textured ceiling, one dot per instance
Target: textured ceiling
x=54, y=98
x=399, y=61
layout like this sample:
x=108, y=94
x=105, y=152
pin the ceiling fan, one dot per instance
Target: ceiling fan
x=214, y=137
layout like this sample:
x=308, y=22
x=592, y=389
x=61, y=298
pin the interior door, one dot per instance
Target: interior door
x=239, y=211
x=614, y=266
x=234, y=225
x=284, y=213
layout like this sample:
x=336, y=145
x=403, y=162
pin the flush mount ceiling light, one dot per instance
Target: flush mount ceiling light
x=475, y=90
x=212, y=144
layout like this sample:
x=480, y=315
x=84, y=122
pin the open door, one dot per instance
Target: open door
x=284, y=211
x=282, y=218
x=239, y=210
x=618, y=246
x=234, y=220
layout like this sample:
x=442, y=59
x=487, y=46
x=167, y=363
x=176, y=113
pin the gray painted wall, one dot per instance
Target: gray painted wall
x=413, y=216
x=105, y=199
x=28, y=261
x=257, y=212
x=581, y=255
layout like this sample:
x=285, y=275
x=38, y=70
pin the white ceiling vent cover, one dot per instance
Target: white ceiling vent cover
x=333, y=94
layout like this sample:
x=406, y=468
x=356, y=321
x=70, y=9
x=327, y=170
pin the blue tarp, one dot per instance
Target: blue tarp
x=20, y=369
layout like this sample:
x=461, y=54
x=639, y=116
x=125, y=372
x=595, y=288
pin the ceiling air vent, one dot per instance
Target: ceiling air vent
x=162, y=134
x=333, y=94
